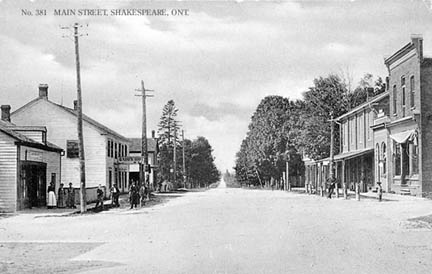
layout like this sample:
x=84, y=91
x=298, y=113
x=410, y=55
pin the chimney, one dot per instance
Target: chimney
x=75, y=105
x=43, y=91
x=417, y=40
x=153, y=134
x=5, y=113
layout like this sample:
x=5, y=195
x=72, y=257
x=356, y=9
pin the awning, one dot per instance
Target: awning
x=352, y=154
x=403, y=136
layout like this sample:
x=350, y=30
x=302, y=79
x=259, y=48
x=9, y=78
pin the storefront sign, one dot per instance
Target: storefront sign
x=35, y=156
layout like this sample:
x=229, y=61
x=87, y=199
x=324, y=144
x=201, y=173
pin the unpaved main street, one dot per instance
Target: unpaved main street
x=227, y=231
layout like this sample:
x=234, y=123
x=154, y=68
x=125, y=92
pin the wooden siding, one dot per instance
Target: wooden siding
x=356, y=131
x=62, y=126
x=34, y=135
x=52, y=159
x=8, y=173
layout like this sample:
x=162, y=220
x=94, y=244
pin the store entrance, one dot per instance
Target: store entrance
x=32, y=188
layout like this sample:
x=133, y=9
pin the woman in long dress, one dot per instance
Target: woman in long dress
x=61, y=201
x=70, y=202
x=52, y=202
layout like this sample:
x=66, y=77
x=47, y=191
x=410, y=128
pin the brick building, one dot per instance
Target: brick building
x=386, y=138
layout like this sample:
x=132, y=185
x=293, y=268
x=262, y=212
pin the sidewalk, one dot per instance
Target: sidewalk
x=368, y=195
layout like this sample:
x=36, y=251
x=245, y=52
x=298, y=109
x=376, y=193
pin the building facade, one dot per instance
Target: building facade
x=387, y=139
x=28, y=163
x=135, y=157
x=408, y=151
x=103, y=147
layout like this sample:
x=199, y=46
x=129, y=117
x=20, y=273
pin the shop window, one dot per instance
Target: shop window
x=72, y=150
x=397, y=159
x=384, y=158
x=414, y=157
x=405, y=159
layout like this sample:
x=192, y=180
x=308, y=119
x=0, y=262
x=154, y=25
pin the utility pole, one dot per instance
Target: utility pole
x=184, y=164
x=144, y=149
x=331, y=171
x=83, y=200
x=175, y=156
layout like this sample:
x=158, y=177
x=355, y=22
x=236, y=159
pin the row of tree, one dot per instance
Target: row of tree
x=282, y=130
x=198, y=169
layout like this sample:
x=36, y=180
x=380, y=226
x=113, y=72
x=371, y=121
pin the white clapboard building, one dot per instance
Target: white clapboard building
x=28, y=163
x=103, y=146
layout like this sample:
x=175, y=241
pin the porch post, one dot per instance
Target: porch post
x=343, y=181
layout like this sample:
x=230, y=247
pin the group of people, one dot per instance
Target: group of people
x=65, y=197
x=332, y=185
x=138, y=195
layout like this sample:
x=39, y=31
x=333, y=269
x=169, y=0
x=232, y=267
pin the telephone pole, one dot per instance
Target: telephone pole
x=83, y=200
x=175, y=156
x=331, y=171
x=184, y=164
x=144, y=149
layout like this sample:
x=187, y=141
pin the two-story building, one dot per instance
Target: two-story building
x=135, y=156
x=355, y=162
x=28, y=163
x=102, y=146
x=405, y=156
x=387, y=139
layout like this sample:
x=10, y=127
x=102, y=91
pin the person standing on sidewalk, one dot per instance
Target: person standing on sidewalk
x=379, y=191
x=115, y=193
x=70, y=200
x=61, y=197
x=133, y=193
x=332, y=186
x=52, y=202
x=100, y=195
x=142, y=194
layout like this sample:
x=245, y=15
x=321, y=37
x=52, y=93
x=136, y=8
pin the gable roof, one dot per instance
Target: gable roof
x=93, y=122
x=136, y=145
x=7, y=128
x=104, y=129
x=364, y=105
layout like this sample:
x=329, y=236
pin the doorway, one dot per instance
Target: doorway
x=32, y=187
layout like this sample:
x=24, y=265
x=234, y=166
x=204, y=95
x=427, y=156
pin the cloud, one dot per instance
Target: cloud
x=217, y=64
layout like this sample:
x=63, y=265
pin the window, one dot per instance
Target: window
x=377, y=155
x=367, y=126
x=414, y=157
x=394, y=99
x=109, y=148
x=115, y=150
x=405, y=159
x=342, y=134
x=397, y=159
x=412, y=87
x=384, y=158
x=126, y=150
x=72, y=149
x=110, y=178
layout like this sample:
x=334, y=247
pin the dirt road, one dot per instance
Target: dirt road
x=228, y=231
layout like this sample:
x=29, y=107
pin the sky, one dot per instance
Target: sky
x=217, y=62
